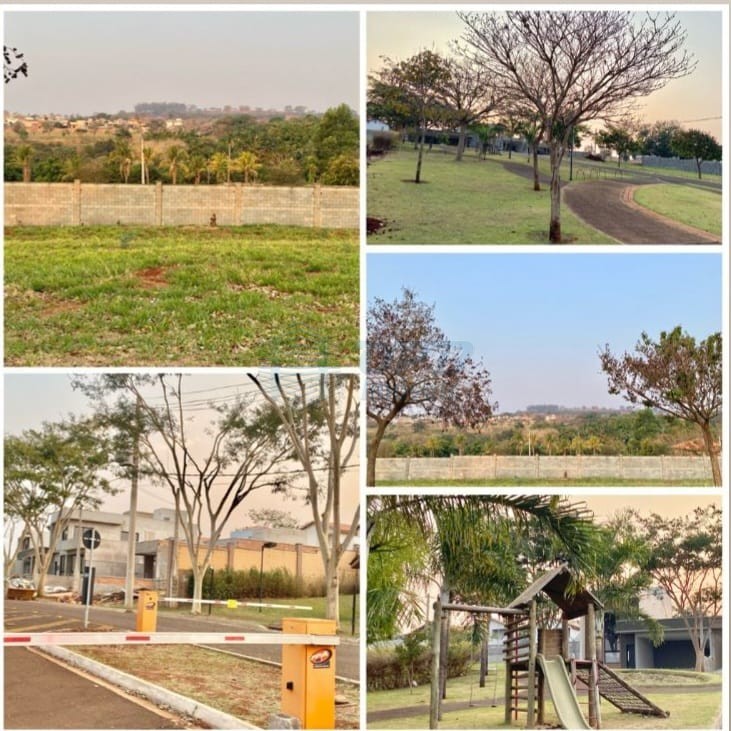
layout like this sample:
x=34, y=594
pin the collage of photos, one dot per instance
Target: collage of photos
x=363, y=366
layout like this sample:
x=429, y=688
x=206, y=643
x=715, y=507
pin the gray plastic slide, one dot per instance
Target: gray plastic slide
x=562, y=692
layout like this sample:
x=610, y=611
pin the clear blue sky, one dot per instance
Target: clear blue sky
x=82, y=62
x=538, y=320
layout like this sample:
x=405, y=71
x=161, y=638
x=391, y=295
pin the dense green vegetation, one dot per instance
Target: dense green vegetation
x=642, y=432
x=280, y=151
x=133, y=296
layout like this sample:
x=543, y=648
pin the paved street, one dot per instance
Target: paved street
x=42, y=694
x=42, y=616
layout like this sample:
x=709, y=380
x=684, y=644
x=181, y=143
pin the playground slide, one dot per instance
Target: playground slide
x=562, y=692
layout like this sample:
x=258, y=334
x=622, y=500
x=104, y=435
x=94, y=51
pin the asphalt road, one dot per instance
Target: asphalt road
x=42, y=694
x=43, y=616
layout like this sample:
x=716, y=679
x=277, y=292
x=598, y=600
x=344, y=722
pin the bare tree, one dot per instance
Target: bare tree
x=571, y=67
x=467, y=93
x=322, y=428
x=676, y=375
x=13, y=64
x=209, y=475
x=413, y=365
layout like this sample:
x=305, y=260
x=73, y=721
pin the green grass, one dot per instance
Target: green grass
x=473, y=202
x=687, y=709
x=255, y=295
x=691, y=206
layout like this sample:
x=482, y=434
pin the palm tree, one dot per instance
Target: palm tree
x=220, y=166
x=198, y=165
x=248, y=164
x=122, y=155
x=471, y=540
x=176, y=158
x=24, y=155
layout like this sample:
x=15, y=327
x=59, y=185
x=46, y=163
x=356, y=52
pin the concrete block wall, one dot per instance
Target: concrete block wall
x=87, y=204
x=494, y=467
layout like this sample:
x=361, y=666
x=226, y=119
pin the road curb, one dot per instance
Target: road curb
x=161, y=696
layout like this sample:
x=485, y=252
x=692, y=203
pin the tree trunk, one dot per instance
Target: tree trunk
x=698, y=164
x=461, y=142
x=554, y=231
x=484, y=661
x=26, y=172
x=199, y=574
x=373, y=451
x=417, y=178
x=332, y=589
x=711, y=452
x=536, y=177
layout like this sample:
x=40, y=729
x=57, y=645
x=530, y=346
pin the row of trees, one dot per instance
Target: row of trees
x=486, y=550
x=643, y=432
x=549, y=72
x=239, y=148
x=413, y=367
x=291, y=436
x=664, y=139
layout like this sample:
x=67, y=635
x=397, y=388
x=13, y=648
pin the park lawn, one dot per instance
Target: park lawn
x=689, y=205
x=688, y=709
x=136, y=296
x=472, y=202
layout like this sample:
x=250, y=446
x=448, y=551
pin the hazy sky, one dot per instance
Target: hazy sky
x=82, y=62
x=693, y=99
x=538, y=320
x=32, y=398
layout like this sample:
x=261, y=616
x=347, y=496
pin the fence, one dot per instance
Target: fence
x=90, y=204
x=495, y=467
x=708, y=167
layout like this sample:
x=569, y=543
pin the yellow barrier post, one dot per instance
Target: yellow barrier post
x=308, y=675
x=147, y=611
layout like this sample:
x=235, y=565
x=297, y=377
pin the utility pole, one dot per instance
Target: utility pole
x=129, y=584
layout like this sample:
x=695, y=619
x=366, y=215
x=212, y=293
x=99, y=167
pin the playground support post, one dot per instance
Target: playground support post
x=436, y=688
x=594, y=717
x=531, y=722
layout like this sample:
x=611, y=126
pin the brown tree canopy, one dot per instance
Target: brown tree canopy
x=677, y=375
x=412, y=365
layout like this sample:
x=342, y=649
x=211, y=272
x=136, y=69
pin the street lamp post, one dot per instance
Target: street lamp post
x=268, y=544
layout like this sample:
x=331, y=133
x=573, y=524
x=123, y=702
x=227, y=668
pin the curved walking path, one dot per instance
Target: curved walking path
x=609, y=206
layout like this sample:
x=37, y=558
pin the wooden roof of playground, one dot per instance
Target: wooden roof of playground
x=557, y=584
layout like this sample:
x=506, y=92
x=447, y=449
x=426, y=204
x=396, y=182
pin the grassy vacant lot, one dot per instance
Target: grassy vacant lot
x=689, y=205
x=693, y=699
x=472, y=202
x=255, y=295
x=243, y=688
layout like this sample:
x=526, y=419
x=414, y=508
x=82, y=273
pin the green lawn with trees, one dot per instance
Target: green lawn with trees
x=138, y=296
x=472, y=202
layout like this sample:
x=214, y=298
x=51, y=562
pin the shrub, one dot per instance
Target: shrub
x=402, y=666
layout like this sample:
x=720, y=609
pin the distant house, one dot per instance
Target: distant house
x=628, y=643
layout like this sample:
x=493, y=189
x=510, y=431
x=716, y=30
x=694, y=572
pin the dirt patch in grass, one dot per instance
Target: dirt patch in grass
x=374, y=225
x=152, y=277
x=243, y=688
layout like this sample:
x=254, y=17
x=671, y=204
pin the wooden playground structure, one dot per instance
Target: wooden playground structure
x=538, y=659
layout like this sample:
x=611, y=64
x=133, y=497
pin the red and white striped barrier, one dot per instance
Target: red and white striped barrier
x=29, y=639
x=233, y=603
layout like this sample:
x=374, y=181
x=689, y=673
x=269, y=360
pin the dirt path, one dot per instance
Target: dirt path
x=609, y=206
